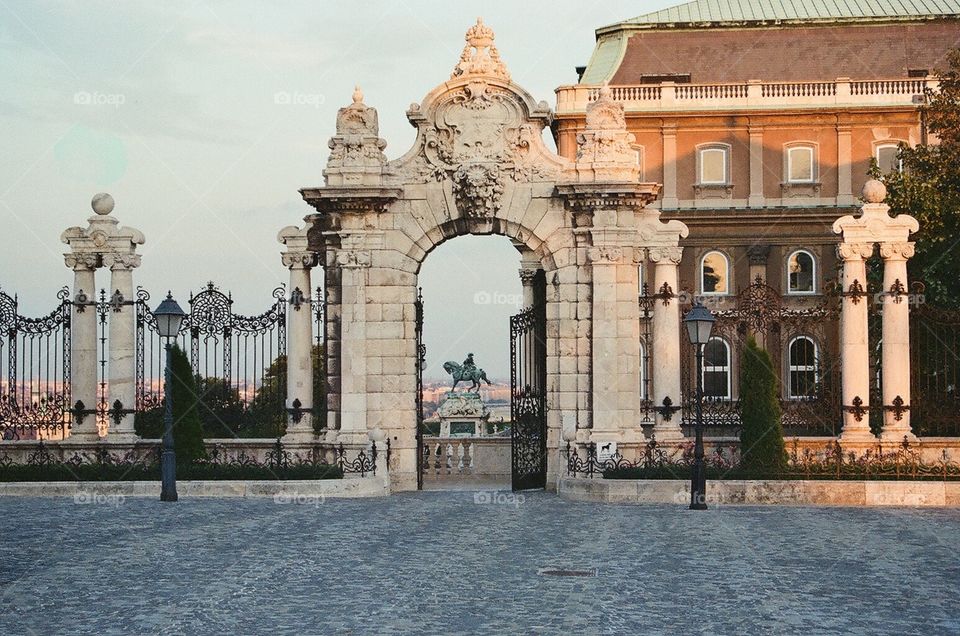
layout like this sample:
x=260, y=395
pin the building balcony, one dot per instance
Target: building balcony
x=750, y=95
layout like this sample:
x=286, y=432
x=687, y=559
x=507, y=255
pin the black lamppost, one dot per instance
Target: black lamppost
x=699, y=322
x=169, y=318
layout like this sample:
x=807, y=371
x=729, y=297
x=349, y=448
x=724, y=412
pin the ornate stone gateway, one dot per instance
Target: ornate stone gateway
x=479, y=165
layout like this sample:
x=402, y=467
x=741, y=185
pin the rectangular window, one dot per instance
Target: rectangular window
x=888, y=158
x=800, y=165
x=713, y=166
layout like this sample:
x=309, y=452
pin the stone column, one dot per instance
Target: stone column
x=299, y=347
x=756, y=199
x=854, y=342
x=616, y=343
x=527, y=274
x=666, y=343
x=353, y=264
x=860, y=233
x=844, y=166
x=83, y=346
x=896, y=342
x=123, y=363
x=669, y=195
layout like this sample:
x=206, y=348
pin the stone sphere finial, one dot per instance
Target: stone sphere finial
x=357, y=95
x=102, y=203
x=874, y=191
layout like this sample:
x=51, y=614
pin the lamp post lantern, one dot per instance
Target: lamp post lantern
x=169, y=318
x=699, y=322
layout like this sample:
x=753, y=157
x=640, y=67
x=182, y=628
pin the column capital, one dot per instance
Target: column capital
x=117, y=261
x=353, y=259
x=80, y=261
x=897, y=251
x=298, y=259
x=606, y=254
x=527, y=275
x=854, y=251
x=665, y=255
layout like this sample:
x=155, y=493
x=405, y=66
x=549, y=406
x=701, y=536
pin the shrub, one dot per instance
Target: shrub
x=761, y=440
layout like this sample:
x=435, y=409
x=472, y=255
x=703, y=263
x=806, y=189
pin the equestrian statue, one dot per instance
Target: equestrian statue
x=466, y=372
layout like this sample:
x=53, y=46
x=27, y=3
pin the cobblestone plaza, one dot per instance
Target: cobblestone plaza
x=468, y=563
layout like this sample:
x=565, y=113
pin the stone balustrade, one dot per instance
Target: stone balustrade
x=748, y=95
x=467, y=459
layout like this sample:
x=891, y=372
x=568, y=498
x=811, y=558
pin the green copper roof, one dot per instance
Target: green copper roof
x=732, y=12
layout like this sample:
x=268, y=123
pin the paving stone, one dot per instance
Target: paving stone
x=437, y=562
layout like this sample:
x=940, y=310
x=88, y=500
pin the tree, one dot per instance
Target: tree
x=187, y=429
x=267, y=415
x=928, y=188
x=761, y=440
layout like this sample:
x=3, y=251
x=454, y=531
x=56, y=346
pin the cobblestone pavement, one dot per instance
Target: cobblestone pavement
x=442, y=563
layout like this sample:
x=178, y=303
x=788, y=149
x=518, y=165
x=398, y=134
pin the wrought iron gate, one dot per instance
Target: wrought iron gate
x=528, y=395
x=35, y=379
x=934, y=367
x=759, y=310
x=239, y=362
x=421, y=361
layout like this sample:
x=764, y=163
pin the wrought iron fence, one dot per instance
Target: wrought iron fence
x=239, y=363
x=35, y=374
x=934, y=368
x=759, y=311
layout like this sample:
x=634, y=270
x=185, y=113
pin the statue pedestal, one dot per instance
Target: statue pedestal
x=463, y=415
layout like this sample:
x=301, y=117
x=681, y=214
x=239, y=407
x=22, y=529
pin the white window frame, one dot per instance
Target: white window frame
x=802, y=368
x=813, y=163
x=726, y=261
x=724, y=150
x=893, y=143
x=727, y=368
x=796, y=292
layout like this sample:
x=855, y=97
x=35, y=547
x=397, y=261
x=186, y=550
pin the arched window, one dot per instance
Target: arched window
x=716, y=369
x=714, y=273
x=801, y=273
x=801, y=164
x=803, y=367
x=887, y=157
x=713, y=165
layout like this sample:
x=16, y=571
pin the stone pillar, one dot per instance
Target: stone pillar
x=669, y=195
x=527, y=274
x=860, y=233
x=353, y=264
x=299, y=259
x=123, y=362
x=844, y=166
x=83, y=346
x=854, y=342
x=103, y=243
x=665, y=329
x=756, y=199
x=616, y=343
x=896, y=342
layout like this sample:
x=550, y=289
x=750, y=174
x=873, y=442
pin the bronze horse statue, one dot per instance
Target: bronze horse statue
x=461, y=373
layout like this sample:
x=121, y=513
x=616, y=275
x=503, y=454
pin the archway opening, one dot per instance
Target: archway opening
x=471, y=287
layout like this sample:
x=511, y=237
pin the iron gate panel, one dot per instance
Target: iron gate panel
x=421, y=361
x=528, y=403
x=35, y=379
x=239, y=362
x=759, y=310
x=934, y=368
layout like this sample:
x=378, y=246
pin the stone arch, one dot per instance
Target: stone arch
x=479, y=165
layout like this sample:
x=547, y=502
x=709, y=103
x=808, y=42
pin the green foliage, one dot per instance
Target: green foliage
x=187, y=428
x=761, y=439
x=928, y=188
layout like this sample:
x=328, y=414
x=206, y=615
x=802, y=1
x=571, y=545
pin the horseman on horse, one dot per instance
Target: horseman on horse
x=467, y=372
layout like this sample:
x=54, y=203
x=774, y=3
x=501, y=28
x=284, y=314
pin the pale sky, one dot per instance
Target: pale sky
x=183, y=128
